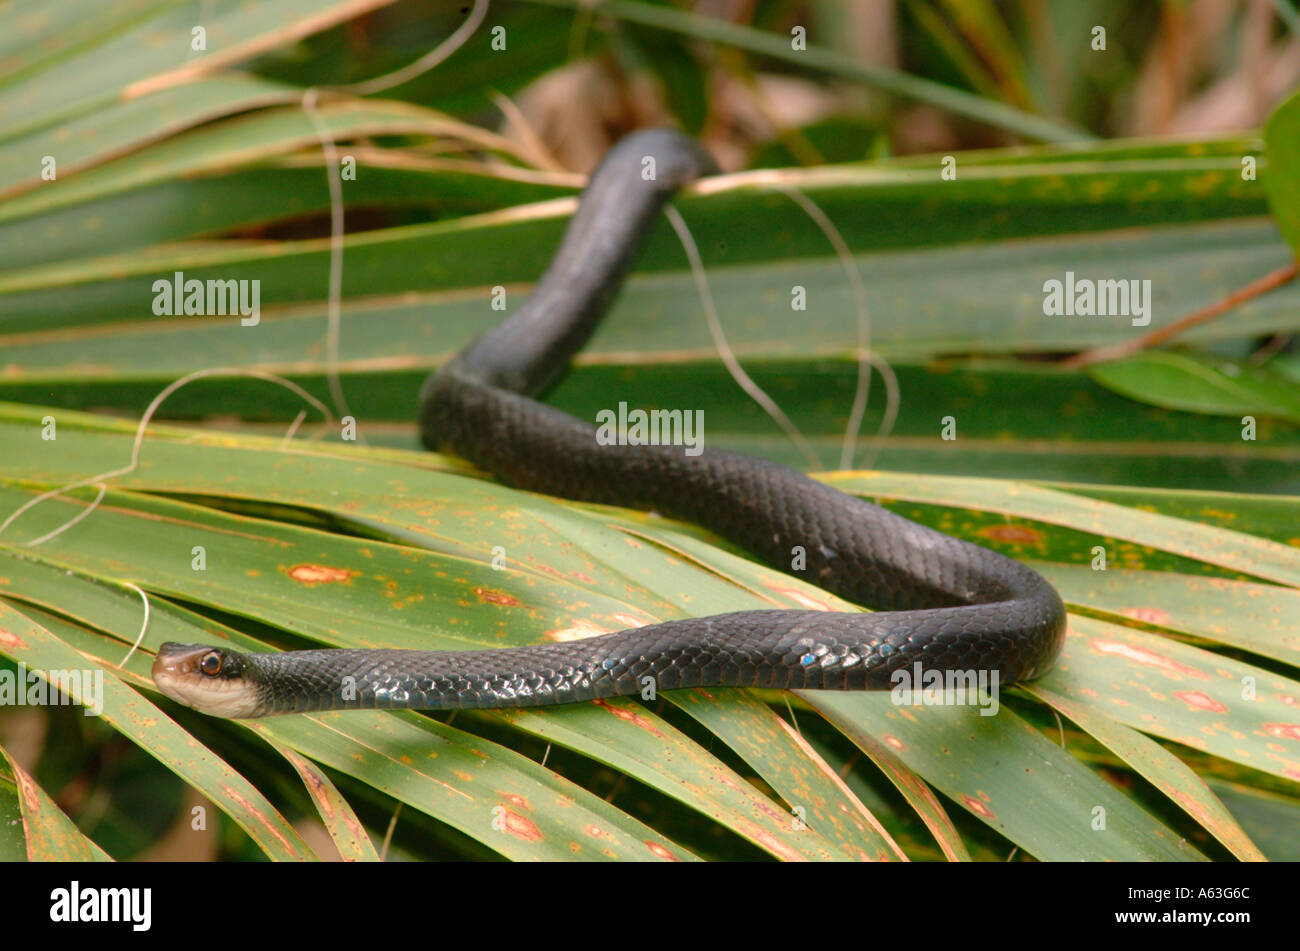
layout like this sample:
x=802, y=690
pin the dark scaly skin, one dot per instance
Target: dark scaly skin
x=945, y=603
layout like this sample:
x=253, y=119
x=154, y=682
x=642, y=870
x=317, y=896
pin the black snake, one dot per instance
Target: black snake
x=944, y=603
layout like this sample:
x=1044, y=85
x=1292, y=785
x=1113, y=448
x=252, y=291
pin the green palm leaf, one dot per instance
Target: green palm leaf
x=1167, y=731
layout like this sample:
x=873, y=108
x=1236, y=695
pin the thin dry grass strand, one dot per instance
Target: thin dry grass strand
x=335, y=305
x=724, y=349
x=139, y=441
x=103, y=490
x=1114, y=351
x=293, y=428
x=388, y=834
x=794, y=720
x=531, y=142
x=144, y=626
x=866, y=357
x=425, y=63
x=330, y=152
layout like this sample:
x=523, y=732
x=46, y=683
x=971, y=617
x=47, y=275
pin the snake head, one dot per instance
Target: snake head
x=212, y=680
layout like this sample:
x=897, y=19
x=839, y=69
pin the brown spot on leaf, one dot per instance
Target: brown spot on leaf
x=492, y=596
x=1194, y=698
x=1283, y=731
x=316, y=787
x=576, y=632
x=517, y=825
x=1150, y=658
x=978, y=807
x=659, y=852
x=320, y=574
x=260, y=816
x=27, y=789
x=894, y=741
x=776, y=846
x=631, y=716
x=1191, y=804
x=10, y=639
x=1012, y=534
x=799, y=597
x=1148, y=615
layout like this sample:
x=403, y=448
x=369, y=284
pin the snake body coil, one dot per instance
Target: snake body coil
x=946, y=604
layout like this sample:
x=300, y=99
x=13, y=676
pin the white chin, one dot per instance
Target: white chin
x=214, y=698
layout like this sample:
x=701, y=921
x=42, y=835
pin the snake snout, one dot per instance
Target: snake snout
x=208, y=679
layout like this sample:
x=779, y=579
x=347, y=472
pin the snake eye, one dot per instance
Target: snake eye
x=211, y=664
